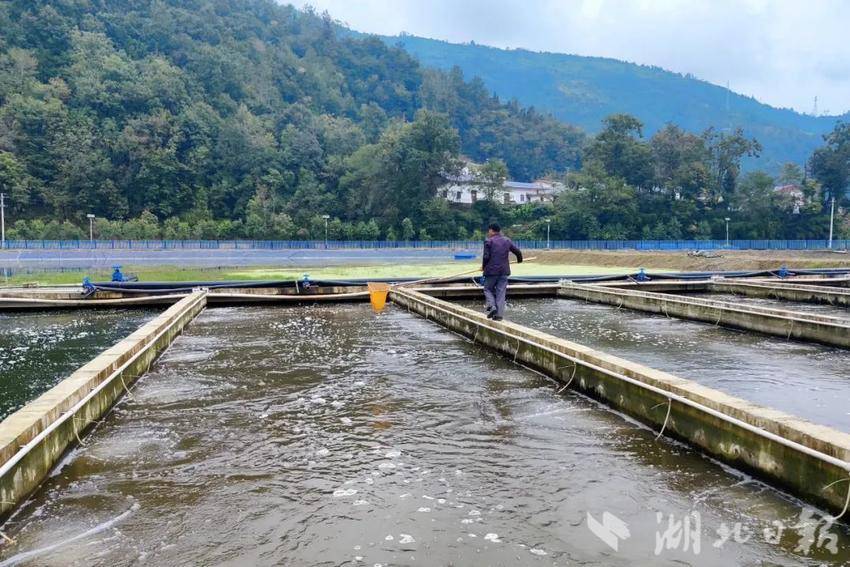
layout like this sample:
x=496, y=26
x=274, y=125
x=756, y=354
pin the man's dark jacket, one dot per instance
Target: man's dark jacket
x=495, y=261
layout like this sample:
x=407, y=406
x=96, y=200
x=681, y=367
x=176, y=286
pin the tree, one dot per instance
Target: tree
x=621, y=152
x=493, y=175
x=680, y=160
x=393, y=178
x=407, y=230
x=596, y=206
x=725, y=154
x=758, y=204
x=830, y=164
x=790, y=174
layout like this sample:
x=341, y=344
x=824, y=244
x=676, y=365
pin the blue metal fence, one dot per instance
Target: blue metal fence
x=431, y=244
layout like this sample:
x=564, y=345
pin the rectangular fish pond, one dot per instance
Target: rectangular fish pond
x=38, y=349
x=329, y=435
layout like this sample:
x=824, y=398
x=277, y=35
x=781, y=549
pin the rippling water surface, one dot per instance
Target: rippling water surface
x=331, y=436
x=39, y=349
x=808, y=380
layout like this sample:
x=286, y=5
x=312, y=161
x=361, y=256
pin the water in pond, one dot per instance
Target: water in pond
x=39, y=349
x=808, y=380
x=331, y=436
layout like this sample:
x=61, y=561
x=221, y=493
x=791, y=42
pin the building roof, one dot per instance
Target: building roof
x=523, y=185
x=789, y=189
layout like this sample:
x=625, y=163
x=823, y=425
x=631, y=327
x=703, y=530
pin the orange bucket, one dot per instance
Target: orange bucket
x=378, y=295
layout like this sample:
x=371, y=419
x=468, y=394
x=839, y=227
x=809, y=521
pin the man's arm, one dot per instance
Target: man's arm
x=517, y=252
x=485, y=258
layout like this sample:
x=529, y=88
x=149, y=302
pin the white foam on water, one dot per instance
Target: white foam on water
x=393, y=454
x=426, y=497
x=537, y=551
x=359, y=502
x=386, y=466
x=389, y=537
x=493, y=537
x=424, y=510
x=345, y=492
x=323, y=452
x=406, y=538
x=405, y=495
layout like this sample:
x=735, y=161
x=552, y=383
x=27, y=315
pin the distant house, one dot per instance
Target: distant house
x=467, y=188
x=794, y=193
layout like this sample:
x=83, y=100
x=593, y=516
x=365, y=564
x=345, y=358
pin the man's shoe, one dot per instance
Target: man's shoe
x=496, y=317
x=490, y=313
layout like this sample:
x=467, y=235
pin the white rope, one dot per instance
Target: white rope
x=790, y=330
x=126, y=389
x=570, y=381
x=667, y=417
x=846, y=501
x=76, y=433
x=516, y=352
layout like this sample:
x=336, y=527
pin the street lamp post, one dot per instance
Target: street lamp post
x=326, y=217
x=727, y=232
x=91, y=229
x=548, y=240
x=831, y=222
x=2, y=220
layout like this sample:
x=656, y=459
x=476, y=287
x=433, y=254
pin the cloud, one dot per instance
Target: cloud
x=783, y=52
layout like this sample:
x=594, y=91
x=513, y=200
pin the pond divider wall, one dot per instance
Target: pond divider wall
x=33, y=439
x=806, y=459
x=787, y=324
x=785, y=291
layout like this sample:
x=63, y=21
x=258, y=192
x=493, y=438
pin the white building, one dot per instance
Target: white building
x=467, y=188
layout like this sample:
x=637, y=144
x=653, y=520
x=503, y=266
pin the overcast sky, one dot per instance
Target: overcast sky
x=783, y=52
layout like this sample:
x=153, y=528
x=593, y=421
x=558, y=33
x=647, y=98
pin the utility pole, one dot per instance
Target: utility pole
x=727, y=232
x=831, y=222
x=2, y=220
x=548, y=241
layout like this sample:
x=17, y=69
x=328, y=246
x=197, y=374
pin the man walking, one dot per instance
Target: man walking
x=496, y=266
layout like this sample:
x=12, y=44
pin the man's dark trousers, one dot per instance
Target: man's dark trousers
x=495, y=289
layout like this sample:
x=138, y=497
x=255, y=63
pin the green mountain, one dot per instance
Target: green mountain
x=583, y=90
x=236, y=118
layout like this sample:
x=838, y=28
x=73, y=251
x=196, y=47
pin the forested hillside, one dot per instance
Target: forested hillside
x=249, y=119
x=226, y=118
x=584, y=90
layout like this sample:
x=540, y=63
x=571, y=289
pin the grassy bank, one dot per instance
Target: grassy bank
x=175, y=274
